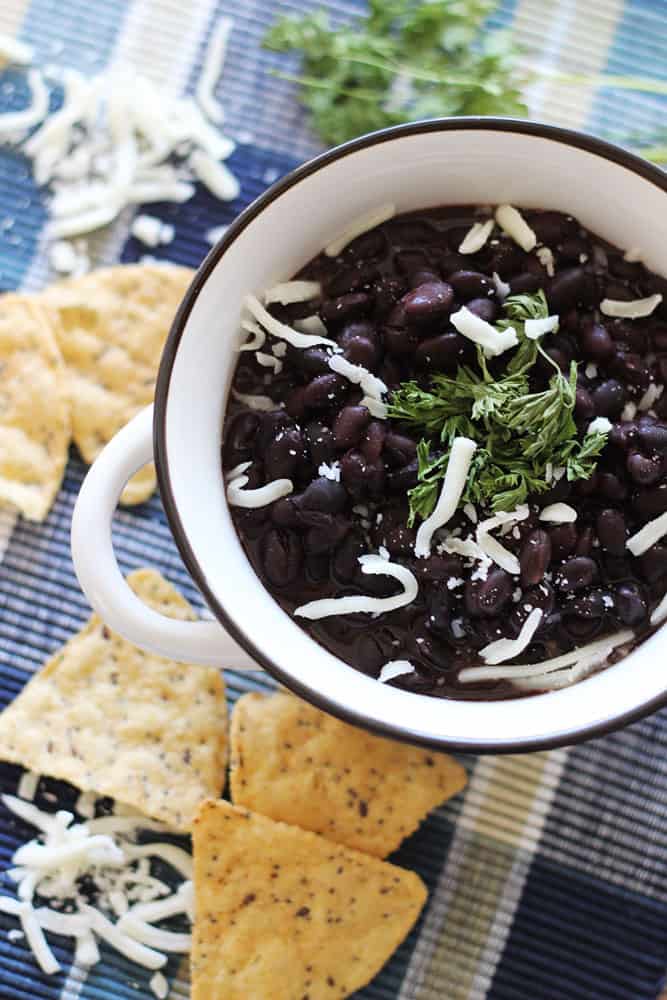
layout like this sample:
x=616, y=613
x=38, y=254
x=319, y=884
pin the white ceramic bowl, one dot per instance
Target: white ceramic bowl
x=448, y=162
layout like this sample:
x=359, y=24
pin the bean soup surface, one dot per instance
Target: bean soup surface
x=386, y=300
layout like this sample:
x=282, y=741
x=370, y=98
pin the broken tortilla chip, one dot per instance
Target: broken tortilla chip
x=293, y=763
x=115, y=720
x=34, y=408
x=111, y=328
x=285, y=914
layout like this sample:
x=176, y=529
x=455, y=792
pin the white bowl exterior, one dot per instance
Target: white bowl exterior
x=415, y=171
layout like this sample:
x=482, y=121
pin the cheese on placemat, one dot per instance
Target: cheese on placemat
x=34, y=408
x=111, y=326
x=119, y=721
x=281, y=913
x=293, y=763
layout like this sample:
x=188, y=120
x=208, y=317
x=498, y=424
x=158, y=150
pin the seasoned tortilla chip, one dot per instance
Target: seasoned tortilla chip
x=293, y=763
x=34, y=408
x=112, y=325
x=115, y=720
x=281, y=913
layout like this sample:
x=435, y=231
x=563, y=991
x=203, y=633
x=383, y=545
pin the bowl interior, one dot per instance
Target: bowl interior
x=427, y=167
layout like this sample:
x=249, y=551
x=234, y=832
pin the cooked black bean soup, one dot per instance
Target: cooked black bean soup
x=446, y=449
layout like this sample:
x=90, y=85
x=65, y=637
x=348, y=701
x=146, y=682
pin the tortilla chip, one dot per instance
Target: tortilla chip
x=35, y=424
x=285, y=914
x=112, y=327
x=293, y=763
x=115, y=720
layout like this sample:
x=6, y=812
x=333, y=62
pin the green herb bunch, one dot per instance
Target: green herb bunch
x=522, y=436
x=406, y=60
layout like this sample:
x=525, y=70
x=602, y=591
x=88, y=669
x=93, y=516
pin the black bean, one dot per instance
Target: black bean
x=576, y=573
x=240, y=438
x=423, y=277
x=437, y=568
x=387, y=292
x=659, y=336
x=525, y=283
x=630, y=604
x=373, y=440
x=400, y=342
x=317, y=567
x=611, y=531
x=283, y=456
x=370, y=244
x=653, y=436
x=631, y=368
x=535, y=557
x=611, y=486
x=354, y=471
x=323, y=495
x=325, y=392
x=285, y=513
x=486, y=598
x=368, y=655
x=581, y=629
x=438, y=618
x=390, y=373
x=312, y=360
x=485, y=308
x=325, y=538
x=629, y=337
x=272, y=424
x=586, y=487
x=345, y=563
x=572, y=249
x=346, y=307
x=402, y=480
x=282, y=557
x=471, y=285
x=652, y=502
x=399, y=448
x=320, y=442
x=350, y=425
x=407, y=262
x=589, y=605
x=654, y=563
x=400, y=540
x=584, y=407
x=442, y=352
x=623, y=435
x=609, y=399
x=563, y=540
x=295, y=402
x=558, y=357
x=596, y=342
x=428, y=303
x=360, y=343
x=642, y=469
x=343, y=281
x=552, y=227
x=566, y=289
x=584, y=545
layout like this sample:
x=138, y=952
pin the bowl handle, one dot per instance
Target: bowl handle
x=100, y=577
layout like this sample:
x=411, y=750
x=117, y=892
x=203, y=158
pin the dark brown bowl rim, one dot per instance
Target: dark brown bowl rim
x=580, y=140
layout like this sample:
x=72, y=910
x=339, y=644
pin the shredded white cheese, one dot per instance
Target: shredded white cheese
x=374, y=565
x=212, y=69
x=629, y=411
x=502, y=288
x=153, y=937
x=601, y=647
x=546, y=259
x=659, y=613
x=151, y=231
x=237, y=496
x=361, y=225
x=215, y=176
x=600, y=425
x=311, y=324
x=513, y=223
x=497, y=552
x=281, y=330
x=370, y=384
x=493, y=341
x=27, y=786
x=395, y=668
x=159, y=986
x=258, y=336
x=269, y=361
x=470, y=512
x=376, y=407
x=558, y=513
x=635, y=309
x=647, y=536
x=293, y=291
x=263, y=404
x=653, y=393
x=536, y=328
x=215, y=234
x=507, y=649
x=34, y=936
x=15, y=51
x=453, y=486
x=476, y=237
x=633, y=255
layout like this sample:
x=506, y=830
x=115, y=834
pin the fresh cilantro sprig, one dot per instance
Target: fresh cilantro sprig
x=520, y=434
x=406, y=60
